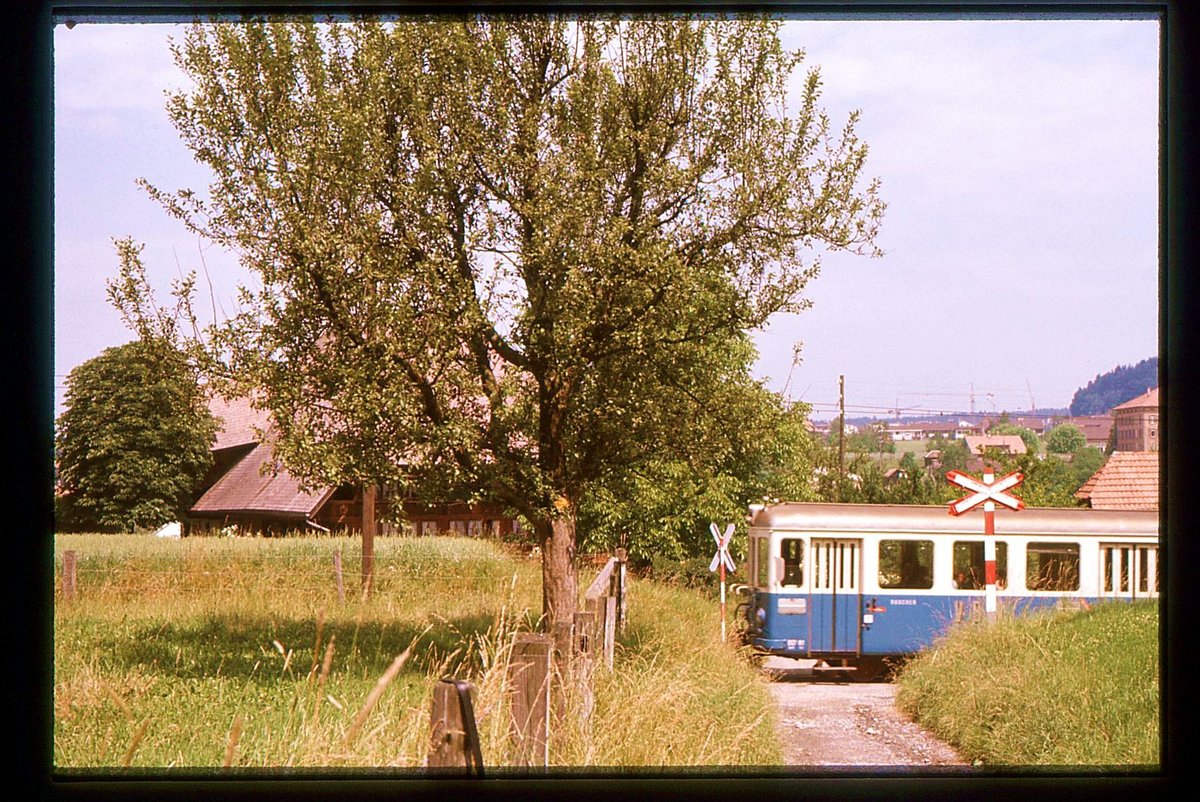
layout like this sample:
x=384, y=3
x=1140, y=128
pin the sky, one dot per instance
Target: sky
x=1018, y=159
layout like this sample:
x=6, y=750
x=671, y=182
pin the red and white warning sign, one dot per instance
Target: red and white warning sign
x=722, y=560
x=989, y=491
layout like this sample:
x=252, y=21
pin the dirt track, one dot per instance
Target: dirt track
x=825, y=722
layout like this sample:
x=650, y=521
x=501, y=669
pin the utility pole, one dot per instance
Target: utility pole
x=842, y=437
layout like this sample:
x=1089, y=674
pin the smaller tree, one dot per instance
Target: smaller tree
x=133, y=443
x=1066, y=438
x=1085, y=462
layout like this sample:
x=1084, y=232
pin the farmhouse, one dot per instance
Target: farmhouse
x=246, y=488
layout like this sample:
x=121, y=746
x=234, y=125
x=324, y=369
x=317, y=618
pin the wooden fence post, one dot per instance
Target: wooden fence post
x=529, y=677
x=451, y=747
x=68, y=575
x=564, y=632
x=368, y=540
x=337, y=573
x=581, y=660
x=610, y=629
x=622, y=558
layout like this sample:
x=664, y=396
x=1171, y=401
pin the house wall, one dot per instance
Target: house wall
x=1137, y=429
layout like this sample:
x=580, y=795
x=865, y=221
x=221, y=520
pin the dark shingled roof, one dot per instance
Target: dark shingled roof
x=238, y=422
x=245, y=488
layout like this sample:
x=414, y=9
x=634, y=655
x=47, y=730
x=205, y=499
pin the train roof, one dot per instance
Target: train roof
x=936, y=519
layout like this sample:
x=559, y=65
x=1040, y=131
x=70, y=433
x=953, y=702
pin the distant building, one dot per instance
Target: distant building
x=1137, y=423
x=1006, y=443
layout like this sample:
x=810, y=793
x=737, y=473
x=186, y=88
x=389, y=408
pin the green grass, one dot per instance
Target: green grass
x=1055, y=689
x=172, y=647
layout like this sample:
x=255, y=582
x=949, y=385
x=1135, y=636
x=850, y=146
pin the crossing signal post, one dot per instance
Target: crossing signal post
x=988, y=492
x=720, y=561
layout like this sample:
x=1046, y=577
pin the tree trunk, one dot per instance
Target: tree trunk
x=560, y=585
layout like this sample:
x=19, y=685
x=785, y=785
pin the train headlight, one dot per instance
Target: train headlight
x=760, y=616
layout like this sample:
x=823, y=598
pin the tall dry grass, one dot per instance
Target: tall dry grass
x=236, y=653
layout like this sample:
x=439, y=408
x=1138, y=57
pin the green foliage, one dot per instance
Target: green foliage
x=955, y=455
x=914, y=485
x=664, y=507
x=1122, y=383
x=498, y=251
x=1049, y=482
x=1085, y=462
x=1065, y=438
x=871, y=439
x=1056, y=689
x=133, y=442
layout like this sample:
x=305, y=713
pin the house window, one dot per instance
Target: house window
x=429, y=527
x=906, y=564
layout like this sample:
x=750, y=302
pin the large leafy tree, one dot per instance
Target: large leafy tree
x=133, y=442
x=515, y=252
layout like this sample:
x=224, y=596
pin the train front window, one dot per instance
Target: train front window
x=1052, y=566
x=792, y=550
x=762, y=561
x=906, y=564
x=970, y=569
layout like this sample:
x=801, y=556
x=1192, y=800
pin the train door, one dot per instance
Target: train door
x=836, y=596
x=1128, y=570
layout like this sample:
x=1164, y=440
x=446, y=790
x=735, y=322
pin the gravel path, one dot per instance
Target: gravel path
x=826, y=722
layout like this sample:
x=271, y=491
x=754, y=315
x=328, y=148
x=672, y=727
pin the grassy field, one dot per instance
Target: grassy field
x=211, y=652
x=1059, y=689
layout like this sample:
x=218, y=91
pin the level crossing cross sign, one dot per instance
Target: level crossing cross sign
x=722, y=558
x=989, y=492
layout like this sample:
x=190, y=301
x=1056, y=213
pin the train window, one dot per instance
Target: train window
x=762, y=561
x=970, y=569
x=793, y=562
x=906, y=564
x=1052, y=566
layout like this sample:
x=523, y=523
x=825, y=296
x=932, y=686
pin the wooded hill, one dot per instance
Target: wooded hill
x=1111, y=389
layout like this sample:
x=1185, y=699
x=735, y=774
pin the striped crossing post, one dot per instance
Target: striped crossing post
x=987, y=492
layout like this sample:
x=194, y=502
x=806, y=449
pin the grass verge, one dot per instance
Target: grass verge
x=1065, y=688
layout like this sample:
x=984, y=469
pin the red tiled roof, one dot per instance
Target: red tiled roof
x=1012, y=442
x=246, y=489
x=1147, y=399
x=1128, y=481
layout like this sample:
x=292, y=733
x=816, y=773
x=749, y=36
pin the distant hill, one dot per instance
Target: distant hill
x=1111, y=389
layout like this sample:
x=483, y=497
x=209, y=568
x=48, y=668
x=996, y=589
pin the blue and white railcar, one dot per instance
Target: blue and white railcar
x=850, y=584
